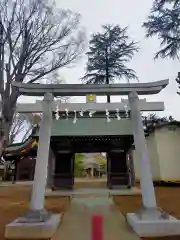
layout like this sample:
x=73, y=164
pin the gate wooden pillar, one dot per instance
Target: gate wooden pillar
x=51, y=168
x=63, y=177
x=117, y=171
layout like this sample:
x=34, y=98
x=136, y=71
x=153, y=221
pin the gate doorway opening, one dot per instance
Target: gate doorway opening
x=116, y=173
x=90, y=165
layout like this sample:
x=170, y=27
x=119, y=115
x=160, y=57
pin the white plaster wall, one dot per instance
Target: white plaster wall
x=168, y=145
x=153, y=158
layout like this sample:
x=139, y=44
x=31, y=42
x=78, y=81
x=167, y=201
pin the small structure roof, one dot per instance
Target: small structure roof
x=92, y=160
x=23, y=147
x=90, y=163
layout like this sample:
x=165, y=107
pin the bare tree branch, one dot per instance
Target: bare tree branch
x=22, y=126
x=18, y=125
x=36, y=38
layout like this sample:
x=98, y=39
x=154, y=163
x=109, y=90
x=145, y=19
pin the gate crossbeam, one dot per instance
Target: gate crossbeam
x=35, y=89
x=99, y=107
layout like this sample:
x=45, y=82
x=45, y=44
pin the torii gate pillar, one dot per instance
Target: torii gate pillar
x=148, y=194
x=149, y=221
x=38, y=223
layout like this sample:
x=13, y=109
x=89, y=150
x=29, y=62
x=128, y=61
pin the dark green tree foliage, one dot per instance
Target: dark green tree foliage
x=108, y=55
x=178, y=81
x=164, y=22
x=161, y=3
x=78, y=168
x=153, y=120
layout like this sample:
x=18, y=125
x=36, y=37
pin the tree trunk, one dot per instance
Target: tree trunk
x=4, y=140
x=107, y=82
x=15, y=171
x=108, y=98
x=107, y=75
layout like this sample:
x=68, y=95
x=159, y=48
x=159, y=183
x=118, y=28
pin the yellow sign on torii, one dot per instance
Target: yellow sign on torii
x=91, y=98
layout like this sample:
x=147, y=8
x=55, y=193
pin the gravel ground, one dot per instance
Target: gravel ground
x=14, y=201
x=168, y=199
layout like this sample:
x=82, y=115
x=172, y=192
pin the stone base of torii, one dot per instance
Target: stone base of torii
x=150, y=221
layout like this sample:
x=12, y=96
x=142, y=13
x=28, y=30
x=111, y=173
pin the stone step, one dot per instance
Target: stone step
x=83, y=192
x=90, y=195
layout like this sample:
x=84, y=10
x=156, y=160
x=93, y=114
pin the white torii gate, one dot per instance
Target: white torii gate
x=150, y=221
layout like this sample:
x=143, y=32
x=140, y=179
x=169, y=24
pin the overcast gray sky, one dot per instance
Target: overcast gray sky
x=127, y=13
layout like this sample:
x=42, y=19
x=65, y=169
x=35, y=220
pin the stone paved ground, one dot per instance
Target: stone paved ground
x=76, y=223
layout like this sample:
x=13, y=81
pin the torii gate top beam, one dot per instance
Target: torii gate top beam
x=35, y=89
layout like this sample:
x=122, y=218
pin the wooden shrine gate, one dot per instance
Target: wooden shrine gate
x=64, y=151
